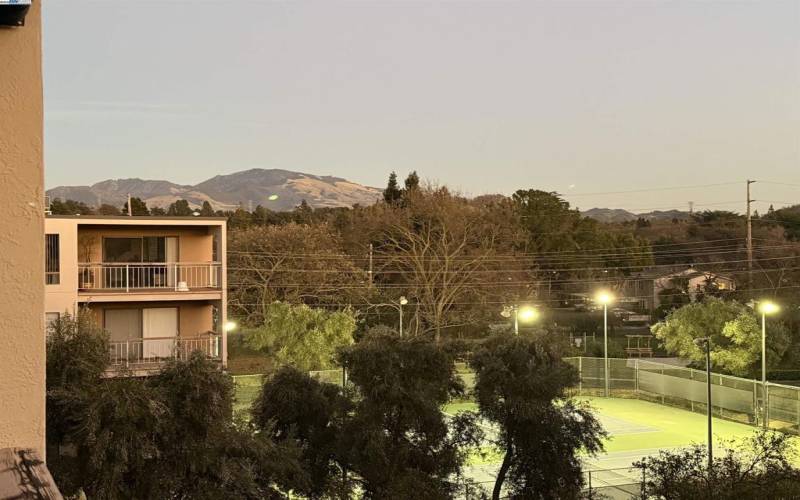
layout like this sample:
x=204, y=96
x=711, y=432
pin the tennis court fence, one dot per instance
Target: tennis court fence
x=733, y=398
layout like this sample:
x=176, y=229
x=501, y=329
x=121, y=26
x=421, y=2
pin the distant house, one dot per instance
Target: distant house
x=651, y=284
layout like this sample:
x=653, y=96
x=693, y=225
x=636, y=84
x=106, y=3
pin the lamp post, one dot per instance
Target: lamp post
x=706, y=343
x=605, y=298
x=400, y=303
x=765, y=307
x=526, y=314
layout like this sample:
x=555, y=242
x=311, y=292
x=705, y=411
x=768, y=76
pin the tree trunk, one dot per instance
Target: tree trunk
x=501, y=474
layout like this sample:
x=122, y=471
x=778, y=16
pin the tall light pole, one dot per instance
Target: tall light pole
x=706, y=343
x=765, y=307
x=400, y=303
x=526, y=314
x=605, y=298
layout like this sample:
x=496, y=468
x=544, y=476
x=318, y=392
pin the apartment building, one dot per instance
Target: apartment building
x=156, y=284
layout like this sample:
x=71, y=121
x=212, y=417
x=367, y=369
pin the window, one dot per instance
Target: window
x=52, y=264
x=49, y=319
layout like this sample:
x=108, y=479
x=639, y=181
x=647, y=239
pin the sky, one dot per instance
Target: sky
x=627, y=99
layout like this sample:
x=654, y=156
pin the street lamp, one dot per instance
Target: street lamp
x=765, y=307
x=605, y=298
x=706, y=343
x=230, y=326
x=400, y=303
x=526, y=314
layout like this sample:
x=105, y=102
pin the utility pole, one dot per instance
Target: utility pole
x=691, y=208
x=369, y=273
x=749, y=238
x=130, y=209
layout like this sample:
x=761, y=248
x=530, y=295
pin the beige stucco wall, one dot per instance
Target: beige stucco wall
x=22, y=371
x=194, y=244
x=63, y=297
x=194, y=318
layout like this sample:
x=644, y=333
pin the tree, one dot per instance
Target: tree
x=290, y=263
x=179, y=208
x=69, y=207
x=203, y=454
x=439, y=248
x=411, y=183
x=293, y=407
x=106, y=209
x=207, y=210
x=392, y=194
x=761, y=466
x=520, y=385
x=138, y=207
x=396, y=439
x=72, y=338
x=735, y=334
x=300, y=336
x=158, y=212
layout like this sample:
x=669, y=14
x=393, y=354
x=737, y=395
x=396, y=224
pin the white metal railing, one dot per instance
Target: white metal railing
x=160, y=349
x=179, y=276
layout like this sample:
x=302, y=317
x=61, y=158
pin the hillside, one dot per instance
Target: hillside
x=273, y=188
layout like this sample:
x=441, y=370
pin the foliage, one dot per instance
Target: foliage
x=179, y=208
x=69, y=207
x=392, y=194
x=170, y=436
x=291, y=263
x=735, y=334
x=138, y=207
x=77, y=356
x=293, y=407
x=396, y=439
x=301, y=336
x=761, y=466
x=207, y=210
x=520, y=386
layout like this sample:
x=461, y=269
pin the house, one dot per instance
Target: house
x=653, y=283
x=156, y=284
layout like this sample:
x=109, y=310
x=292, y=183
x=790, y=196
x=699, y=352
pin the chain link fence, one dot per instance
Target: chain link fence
x=733, y=398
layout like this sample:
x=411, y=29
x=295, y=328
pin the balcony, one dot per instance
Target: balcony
x=149, y=276
x=150, y=353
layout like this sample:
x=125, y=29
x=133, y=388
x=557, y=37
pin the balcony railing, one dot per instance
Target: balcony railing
x=150, y=351
x=178, y=276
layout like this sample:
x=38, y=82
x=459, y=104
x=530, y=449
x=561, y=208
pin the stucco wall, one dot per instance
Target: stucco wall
x=194, y=244
x=194, y=318
x=22, y=388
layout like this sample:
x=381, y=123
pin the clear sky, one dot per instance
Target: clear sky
x=493, y=96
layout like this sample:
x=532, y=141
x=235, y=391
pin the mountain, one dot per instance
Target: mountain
x=609, y=215
x=272, y=188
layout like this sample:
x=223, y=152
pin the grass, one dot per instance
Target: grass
x=246, y=389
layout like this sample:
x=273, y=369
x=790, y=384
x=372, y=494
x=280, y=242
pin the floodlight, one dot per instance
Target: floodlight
x=768, y=307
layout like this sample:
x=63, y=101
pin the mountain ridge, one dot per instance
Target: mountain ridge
x=276, y=189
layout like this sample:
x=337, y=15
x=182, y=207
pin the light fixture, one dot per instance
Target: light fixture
x=528, y=314
x=768, y=307
x=230, y=326
x=403, y=300
x=604, y=297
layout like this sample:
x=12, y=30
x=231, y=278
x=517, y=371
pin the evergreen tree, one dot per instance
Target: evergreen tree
x=412, y=181
x=179, y=208
x=138, y=207
x=392, y=194
x=207, y=210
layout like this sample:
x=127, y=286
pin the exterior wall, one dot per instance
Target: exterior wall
x=194, y=318
x=195, y=244
x=63, y=297
x=22, y=358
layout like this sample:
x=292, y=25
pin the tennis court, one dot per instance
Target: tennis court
x=636, y=429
